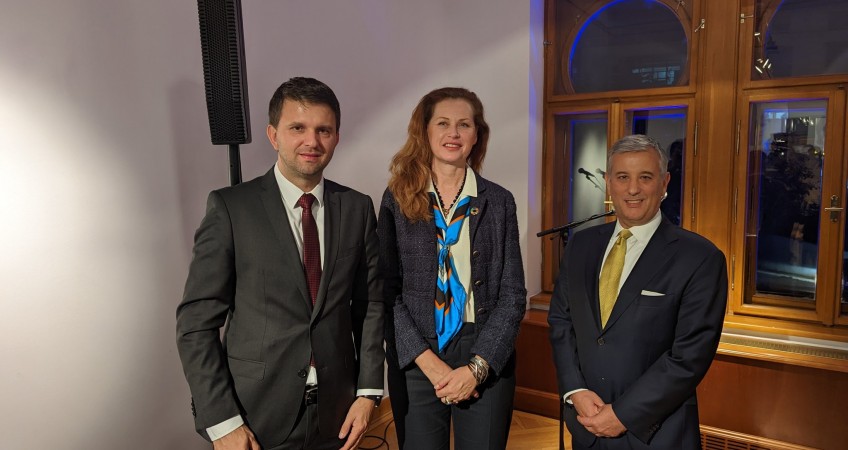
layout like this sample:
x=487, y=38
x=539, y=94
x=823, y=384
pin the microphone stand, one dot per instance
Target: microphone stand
x=563, y=234
x=563, y=229
x=235, y=164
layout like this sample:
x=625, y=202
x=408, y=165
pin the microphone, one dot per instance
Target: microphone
x=592, y=178
x=585, y=172
x=601, y=172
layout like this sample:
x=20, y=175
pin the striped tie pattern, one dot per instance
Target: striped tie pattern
x=450, y=293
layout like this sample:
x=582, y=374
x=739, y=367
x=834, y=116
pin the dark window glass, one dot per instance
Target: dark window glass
x=844, y=303
x=800, y=38
x=785, y=163
x=629, y=44
x=668, y=126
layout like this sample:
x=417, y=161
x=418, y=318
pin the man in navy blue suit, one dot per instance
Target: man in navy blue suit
x=636, y=315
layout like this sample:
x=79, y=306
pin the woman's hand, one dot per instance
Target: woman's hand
x=457, y=386
x=451, y=385
x=433, y=367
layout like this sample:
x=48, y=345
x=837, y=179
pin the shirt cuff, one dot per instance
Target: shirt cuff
x=361, y=392
x=567, y=397
x=224, y=428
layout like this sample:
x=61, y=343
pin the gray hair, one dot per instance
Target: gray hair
x=639, y=143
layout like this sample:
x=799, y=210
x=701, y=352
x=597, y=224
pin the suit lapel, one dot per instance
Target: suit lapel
x=332, y=234
x=477, y=206
x=273, y=202
x=593, y=270
x=660, y=248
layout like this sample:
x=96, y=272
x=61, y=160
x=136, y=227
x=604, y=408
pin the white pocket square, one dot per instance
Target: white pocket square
x=652, y=294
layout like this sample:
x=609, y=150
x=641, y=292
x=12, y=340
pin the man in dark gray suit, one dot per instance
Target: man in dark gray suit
x=289, y=262
x=636, y=315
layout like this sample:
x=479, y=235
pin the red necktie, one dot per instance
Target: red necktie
x=311, y=246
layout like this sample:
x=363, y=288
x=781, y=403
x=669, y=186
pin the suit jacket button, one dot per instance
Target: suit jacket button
x=482, y=311
x=475, y=253
x=601, y=341
x=301, y=373
x=478, y=283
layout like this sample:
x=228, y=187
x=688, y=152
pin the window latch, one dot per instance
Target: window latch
x=834, y=208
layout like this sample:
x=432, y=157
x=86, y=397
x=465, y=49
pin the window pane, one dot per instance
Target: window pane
x=668, y=126
x=585, y=146
x=784, y=198
x=800, y=38
x=844, y=303
x=629, y=44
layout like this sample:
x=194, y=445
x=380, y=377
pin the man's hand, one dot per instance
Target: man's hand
x=356, y=422
x=603, y=424
x=239, y=439
x=587, y=403
x=457, y=386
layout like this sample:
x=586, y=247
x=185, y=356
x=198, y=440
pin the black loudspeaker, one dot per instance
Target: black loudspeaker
x=222, y=42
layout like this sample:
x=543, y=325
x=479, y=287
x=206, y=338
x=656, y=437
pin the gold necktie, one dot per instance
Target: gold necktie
x=611, y=275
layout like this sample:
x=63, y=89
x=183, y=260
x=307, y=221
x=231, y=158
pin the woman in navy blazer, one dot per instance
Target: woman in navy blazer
x=454, y=281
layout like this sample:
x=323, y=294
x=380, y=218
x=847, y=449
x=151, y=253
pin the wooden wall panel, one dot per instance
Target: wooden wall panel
x=788, y=403
x=535, y=374
x=535, y=361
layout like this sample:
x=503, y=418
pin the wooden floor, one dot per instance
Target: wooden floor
x=528, y=431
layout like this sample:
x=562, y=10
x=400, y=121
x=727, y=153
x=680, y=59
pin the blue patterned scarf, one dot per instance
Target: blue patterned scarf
x=450, y=294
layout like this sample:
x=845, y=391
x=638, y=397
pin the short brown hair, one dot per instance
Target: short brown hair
x=303, y=90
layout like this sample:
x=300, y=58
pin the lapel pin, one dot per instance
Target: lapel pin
x=475, y=211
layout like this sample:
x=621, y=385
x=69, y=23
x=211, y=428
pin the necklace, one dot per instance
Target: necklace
x=455, y=198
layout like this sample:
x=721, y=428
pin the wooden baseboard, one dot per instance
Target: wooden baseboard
x=537, y=402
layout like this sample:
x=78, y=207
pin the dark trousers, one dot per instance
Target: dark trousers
x=306, y=436
x=398, y=396
x=478, y=424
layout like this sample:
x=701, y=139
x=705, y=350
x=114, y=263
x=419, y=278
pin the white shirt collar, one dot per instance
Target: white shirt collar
x=291, y=193
x=642, y=233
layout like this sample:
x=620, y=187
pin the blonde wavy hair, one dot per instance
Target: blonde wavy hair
x=411, y=167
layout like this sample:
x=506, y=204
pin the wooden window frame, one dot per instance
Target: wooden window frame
x=564, y=43
x=774, y=306
x=718, y=96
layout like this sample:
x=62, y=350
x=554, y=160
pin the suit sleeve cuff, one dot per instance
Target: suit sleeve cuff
x=567, y=397
x=224, y=428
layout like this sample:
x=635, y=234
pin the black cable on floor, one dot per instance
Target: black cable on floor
x=383, y=440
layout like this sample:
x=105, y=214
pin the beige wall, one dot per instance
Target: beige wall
x=106, y=162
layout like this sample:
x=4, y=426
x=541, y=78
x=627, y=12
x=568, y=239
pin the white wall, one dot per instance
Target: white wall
x=106, y=162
